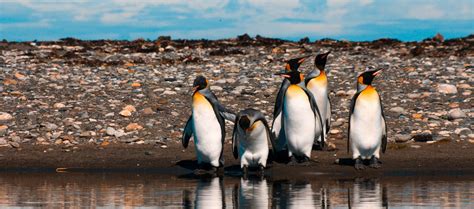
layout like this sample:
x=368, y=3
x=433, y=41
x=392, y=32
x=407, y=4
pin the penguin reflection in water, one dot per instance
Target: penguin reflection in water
x=367, y=127
x=206, y=123
x=250, y=140
x=301, y=119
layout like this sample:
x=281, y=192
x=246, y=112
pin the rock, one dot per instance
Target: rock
x=415, y=146
x=110, y=131
x=423, y=137
x=20, y=76
x=50, y=126
x=163, y=146
x=130, y=108
x=125, y=113
x=334, y=131
x=338, y=122
x=14, y=144
x=444, y=133
x=331, y=146
x=447, y=89
x=416, y=116
x=5, y=116
x=169, y=92
x=402, y=138
x=398, y=110
x=148, y=111
x=133, y=127
x=3, y=141
x=216, y=88
x=136, y=84
x=463, y=131
x=456, y=114
x=438, y=37
x=59, y=105
x=3, y=130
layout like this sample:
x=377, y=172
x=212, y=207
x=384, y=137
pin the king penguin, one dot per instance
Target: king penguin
x=367, y=127
x=250, y=140
x=301, y=119
x=317, y=83
x=206, y=123
x=277, y=131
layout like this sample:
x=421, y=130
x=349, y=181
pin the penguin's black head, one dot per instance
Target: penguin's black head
x=320, y=60
x=199, y=83
x=294, y=64
x=244, y=122
x=295, y=77
x=367, y=77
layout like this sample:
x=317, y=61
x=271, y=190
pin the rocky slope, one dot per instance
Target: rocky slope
x=74, y=92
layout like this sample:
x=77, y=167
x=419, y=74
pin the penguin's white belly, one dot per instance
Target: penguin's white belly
x=254, y=148
x=276, y=124
x=321, y=97
x=320, y=94
x=366, y=127
x=299, y=122
x=207, y=133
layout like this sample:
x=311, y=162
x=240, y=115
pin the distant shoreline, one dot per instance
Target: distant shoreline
x=246, y=37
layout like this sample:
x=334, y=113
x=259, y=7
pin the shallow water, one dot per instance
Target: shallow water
x=127, y=190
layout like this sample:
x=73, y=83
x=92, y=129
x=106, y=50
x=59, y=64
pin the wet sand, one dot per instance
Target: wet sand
x=437, y=159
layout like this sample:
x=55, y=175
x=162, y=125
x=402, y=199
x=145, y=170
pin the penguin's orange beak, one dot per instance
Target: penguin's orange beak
x=194, y=89
x=377, y=73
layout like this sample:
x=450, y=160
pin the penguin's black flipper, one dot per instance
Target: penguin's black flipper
x=314, y=107
x=269, y=134
x=235, y=139
x=280, y=96
x=351, y=110
x=384, y=134
x=328, y=120
x=224, y=112
x=279, y=135
x=188, y=132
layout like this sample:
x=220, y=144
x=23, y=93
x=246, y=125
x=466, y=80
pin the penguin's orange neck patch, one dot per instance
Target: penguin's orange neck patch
x=295, y=91
x=199, y=99
x=320, y=81
x=254, y=125
x=369, y=93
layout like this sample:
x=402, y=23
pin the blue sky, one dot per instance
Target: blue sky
x=408, y=20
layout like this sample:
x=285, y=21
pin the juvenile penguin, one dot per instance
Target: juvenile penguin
x=317, y=83
x=301, y=119
x=367, y=127
x=278, y=133
x=250, y=140
x=206, y=123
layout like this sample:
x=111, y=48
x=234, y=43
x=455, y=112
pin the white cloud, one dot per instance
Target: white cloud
x=334, y=18
x=425, y=12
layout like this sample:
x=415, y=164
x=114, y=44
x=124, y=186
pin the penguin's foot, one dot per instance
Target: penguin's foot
x=359, y=164
x=305, y=161
x=317, y=145
x=293, y=161
x=375, y=163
